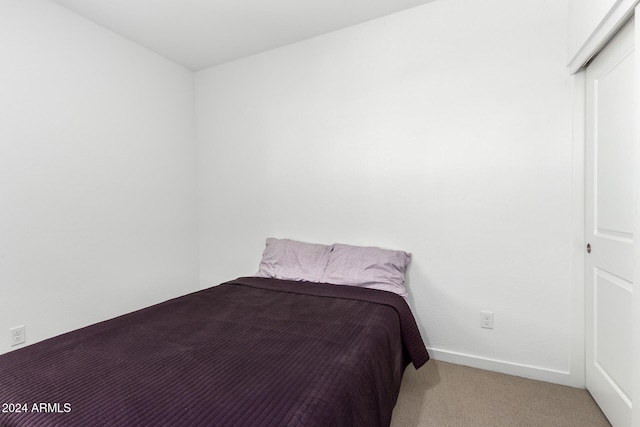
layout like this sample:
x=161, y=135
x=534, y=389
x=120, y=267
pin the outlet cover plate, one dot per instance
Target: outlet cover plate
x=18, y=335
x=486, y=319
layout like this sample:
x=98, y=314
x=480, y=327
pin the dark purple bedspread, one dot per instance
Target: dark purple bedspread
x=250, y=352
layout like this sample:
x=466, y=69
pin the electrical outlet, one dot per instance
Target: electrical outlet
x=18, y=335
x=486, y=319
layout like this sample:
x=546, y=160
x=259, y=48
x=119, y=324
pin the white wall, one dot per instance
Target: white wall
x=444, y=130
x=97, y=173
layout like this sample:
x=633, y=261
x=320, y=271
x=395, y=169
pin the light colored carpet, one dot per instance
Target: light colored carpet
x=446, y=395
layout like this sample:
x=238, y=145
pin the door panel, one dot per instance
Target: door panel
x=614, y=144
x=609, y=227
x=612, y=312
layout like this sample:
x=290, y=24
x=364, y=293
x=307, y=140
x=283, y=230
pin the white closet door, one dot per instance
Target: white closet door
x=609, y=227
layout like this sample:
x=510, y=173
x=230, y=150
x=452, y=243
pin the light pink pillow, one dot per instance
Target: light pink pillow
x=367, y=267
x=293, y=260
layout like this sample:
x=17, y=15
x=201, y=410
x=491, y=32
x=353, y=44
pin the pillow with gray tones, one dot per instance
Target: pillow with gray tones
x=292, y=260
x=367, y=267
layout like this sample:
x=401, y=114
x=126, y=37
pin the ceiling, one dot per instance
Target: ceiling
x=202, y=33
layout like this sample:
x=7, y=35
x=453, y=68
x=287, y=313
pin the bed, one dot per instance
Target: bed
x=255, y=351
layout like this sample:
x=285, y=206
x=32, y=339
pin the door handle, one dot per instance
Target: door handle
x=588, y=248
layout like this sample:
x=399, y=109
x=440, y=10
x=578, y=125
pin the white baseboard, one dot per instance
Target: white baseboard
x=531, y=372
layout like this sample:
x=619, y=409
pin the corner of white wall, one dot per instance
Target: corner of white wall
x=97, y=173
x=577, y=363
